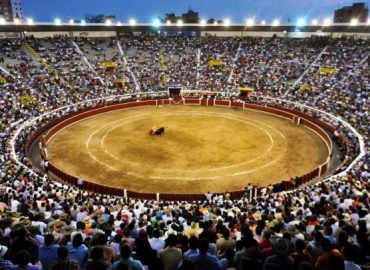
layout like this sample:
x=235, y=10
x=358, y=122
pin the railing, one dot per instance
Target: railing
x=286, y=185
x=59, y=124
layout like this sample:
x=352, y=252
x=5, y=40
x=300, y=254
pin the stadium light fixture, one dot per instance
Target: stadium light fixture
x=132, y=22
x=83, y=22
x=57, y=21
x=227, y=22
x=275, y=23
x=2, y=21
x=30, y=21
x=108, y=22
x=301, y=22
x=180, y=23
x=263, y=22
x=327, y=22
x=203, y=22
x=314, y=22
x=354, y=21
x=156, y=23
x=250, y=22
x=71, y=22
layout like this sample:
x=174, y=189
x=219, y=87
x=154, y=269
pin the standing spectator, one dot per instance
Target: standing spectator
x=80, y=182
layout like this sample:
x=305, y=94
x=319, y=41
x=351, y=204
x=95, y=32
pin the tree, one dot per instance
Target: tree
x=189, y=17
x=98, y=18
x=212, y=21
x=171, y=17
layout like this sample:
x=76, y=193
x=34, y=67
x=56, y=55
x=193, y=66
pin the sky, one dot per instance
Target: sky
x=145, y=11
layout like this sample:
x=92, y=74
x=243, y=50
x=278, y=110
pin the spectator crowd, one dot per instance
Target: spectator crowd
x=49, y=225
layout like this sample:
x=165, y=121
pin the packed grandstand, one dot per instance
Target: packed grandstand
x=51, y=225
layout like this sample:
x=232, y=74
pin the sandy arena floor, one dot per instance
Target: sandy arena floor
x=204, y=149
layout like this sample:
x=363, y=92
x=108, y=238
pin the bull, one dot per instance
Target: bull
x=159, y=132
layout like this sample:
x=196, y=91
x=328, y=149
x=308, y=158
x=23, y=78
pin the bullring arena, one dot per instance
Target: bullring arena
x=184, y=146
x=204, y=148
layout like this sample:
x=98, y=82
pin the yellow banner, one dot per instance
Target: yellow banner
x=305, y=88
x=109, y=65
x=2, y=80
x=250, y=89
x=215, y=63
x=26, y=100
x=326, y=70
x=120, y=83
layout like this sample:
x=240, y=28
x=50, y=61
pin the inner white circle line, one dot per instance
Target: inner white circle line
x=197, y=178
x=138, y=117
x=200, y=114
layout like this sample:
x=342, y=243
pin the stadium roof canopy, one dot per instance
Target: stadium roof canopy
x=52, y=27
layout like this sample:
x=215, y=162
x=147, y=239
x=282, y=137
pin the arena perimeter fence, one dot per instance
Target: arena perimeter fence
x=265, y=104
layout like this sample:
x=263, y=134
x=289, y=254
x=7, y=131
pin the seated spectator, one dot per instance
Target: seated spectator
x=48, y=252
x=204, y=260
x=63, y=262
x=282, y=248
x=77, y=250
x=156, y=242
x=144, y=251
x=97, y=260
x=300, y=256
x=5, y=264
x=187, y=265
x=349, y=253
x=323, y=262
x=193, y=247
x=23, y=261
x=127, y=260
x=224, y=243
x=228, y=261
x=100, y=240
x=170, y=256
x=116, y=243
